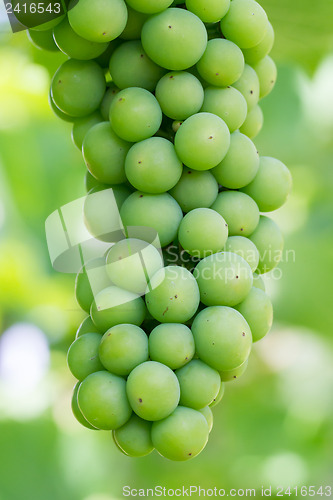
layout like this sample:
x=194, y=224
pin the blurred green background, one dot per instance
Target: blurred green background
x=275, y=425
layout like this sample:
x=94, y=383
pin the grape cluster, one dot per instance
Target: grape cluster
x=163, y=96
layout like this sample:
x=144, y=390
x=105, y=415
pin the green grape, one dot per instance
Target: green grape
x=240, y=212
x=149, y=6
x=43, y=40
x=78, y=87
x=208, y=12
x=109, y=95
x=131, y=263
x=60, y=114
x=153, y=166
x=258, y=52
x=104, y=153
x=135, y=114
x=152, y=390
x=253, y=123
x=87, y=326
x=219, y=396
x=248, y=85
x=222, y=338
x=182, y=435
x=103, y=402
x=30, y=17
x=245, y=248
x=199, y=384
x=202, y=141
x=158, y=211
x=269, y=241
x=240, y=165
x=104, y=59
x=224, y=279
x=131, y=67
x=257, y=309
x=267, y=73
x=82, y=356
x=174, y=39
x=90, y=182
x=208, y=414
x=195, y=190
x=135, y=21
x=222, y=63
x=175, y=125
x=73, y=45
x=227, y=103
x=114, y=306
x=76, y=410
x=173, y=295
x=202, y=232
x=122, y=348
x=245, y=23
x=171, y=344
x=229, y=375
x=98, y=21
x=83, y=125
x=271, y=186
x=91, y=279
x=258, y=282
x=134, y=437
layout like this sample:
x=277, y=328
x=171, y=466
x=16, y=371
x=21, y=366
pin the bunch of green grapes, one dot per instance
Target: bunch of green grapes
x=163, y=96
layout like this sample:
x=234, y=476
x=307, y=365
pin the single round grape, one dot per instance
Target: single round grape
x=174, y=39
x=222, y=63
x=103, y=402
x=271, y=186
x=180, y=95
x=135, y=21
x=82, y=126
x=269, y=241
x=109, y=95
x=104, y=153
x=219, y=396
x=248, y=85
x=227, y=103
x=135, y=114
x=253, y=123
x=208, y=12
x=78, y=87
x=245, y=23
x=82, y=356
x=87, y=326
x=131, y=67
x=224, y=279
x=258, y=52
x=76, y=410
x=73, y=45
x=240, y=212
x=171, y=344
x=114, y=306
x=43, y=40
x=222, y=337
x=149, y=7
x=245, y=248
x=134, y=437
x=158, y=211
x=257, y=309
x=173, y=295
x=152, y=390
x=202, y=232
x=153, y=166
x=229, y=375
x=100, y=21
x=267, y=74
x=182, y=435
x=60, y=114
x=202, y=141
x=258, y=282
x=195, y=190
x=91, y=279
x=199, y=384
x=122, y=348
x=208, y=414
x=240, y=165
x=131, y=263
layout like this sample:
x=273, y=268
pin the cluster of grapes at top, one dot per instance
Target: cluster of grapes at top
x=163, y=97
